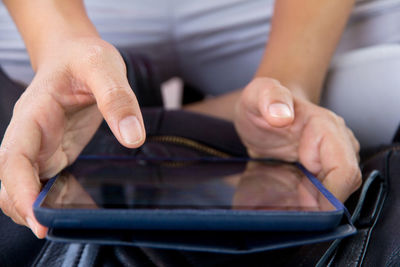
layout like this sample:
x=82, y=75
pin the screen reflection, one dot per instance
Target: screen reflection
x=150, y=184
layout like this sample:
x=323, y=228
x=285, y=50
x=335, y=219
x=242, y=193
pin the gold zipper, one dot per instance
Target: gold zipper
x=177, y=140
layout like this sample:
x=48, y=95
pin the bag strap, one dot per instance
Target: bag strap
x=367, y=211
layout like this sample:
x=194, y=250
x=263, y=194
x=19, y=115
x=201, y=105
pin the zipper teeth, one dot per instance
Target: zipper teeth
x=212, y=151
x=189, y=143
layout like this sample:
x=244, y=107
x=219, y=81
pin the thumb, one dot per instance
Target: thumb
x=275, y=103
x=118, y=105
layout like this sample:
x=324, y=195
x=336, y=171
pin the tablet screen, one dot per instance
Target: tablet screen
x=207, y=184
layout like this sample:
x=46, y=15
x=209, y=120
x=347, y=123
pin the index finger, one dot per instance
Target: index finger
x=105, y=75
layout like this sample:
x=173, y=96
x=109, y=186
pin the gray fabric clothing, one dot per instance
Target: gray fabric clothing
x=217, y=46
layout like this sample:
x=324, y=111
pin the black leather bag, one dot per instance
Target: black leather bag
x=374, y=208
x=377, y=242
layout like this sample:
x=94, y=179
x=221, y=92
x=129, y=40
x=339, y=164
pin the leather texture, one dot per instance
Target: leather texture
x=377, y=243
x=58, y=254
x=18, y=245
x=142, y=79
x=232, y=242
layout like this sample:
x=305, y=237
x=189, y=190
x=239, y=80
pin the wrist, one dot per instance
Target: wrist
x=46, y=24
x=294, y=75
x=56, y=43
x=297, y=89
x=60, y=46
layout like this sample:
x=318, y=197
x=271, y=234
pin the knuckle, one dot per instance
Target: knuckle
x=330, y=114
x=4, y=202
x=332, y=117
x=94, y=54
x=99, y=53
x=9, y=211
x=19, y=105
x=115, y=98
x=266, y=82
x=18, y=205
x=26, y=104
x=357, y=145
x=248, y=91
x=336, y=118
x=12, y=205
x=272, y=81
x=3, y=161
x=353, y=177
x=340, y=120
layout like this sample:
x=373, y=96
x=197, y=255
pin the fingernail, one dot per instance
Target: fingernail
x=131, y=130
x=279, y=110
x=32, y=225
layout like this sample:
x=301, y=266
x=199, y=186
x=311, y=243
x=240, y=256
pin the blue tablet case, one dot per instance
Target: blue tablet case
x=223, y=138
x=192, y=219
x=234, y=242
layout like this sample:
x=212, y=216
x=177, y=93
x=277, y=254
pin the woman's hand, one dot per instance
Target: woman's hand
x=274, y=122
x=77, y=83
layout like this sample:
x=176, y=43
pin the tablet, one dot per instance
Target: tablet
x=207, y=194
